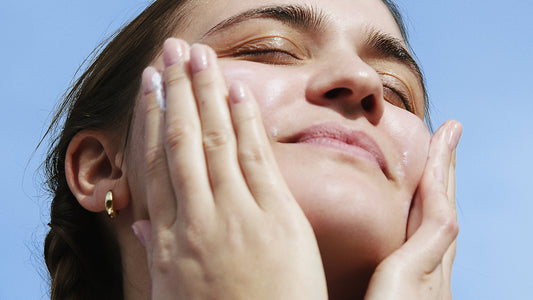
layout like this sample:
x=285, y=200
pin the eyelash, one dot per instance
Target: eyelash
x=280, y=56
x=260, y=51
x=402, y=97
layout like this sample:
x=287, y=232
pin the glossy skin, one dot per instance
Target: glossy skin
x=348, y=151
x=339, y=193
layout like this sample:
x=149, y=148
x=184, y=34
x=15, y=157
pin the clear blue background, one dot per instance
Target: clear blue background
x=478, y=59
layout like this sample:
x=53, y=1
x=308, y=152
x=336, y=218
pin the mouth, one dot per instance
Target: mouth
x=354, y=143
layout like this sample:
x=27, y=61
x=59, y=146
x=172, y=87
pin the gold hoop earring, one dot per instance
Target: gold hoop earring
x=110, y=210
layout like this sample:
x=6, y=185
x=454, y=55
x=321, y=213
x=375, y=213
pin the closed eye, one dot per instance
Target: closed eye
x=266, y=55
x=269, y=50
x=396, y=97
x=396, y=92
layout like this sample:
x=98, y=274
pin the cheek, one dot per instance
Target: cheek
x=411, y=137
x=256, y=77
x=269, y=85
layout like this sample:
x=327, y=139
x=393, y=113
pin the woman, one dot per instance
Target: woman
x=273, y=146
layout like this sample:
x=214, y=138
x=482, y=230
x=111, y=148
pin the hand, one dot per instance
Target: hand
x=223, y=224
x=421, y=268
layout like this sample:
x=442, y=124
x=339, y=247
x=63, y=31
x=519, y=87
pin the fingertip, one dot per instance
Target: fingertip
x=238, y=93
x=448, y=135
x=147, y=80
x=175, y=51
x=152, y=83
x=454, y=134
x=202, y=57
x=157, y=84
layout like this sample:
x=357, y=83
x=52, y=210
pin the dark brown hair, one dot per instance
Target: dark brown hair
x=82, y=257
x=83, y=261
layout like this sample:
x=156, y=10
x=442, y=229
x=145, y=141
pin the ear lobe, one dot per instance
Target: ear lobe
x=93, y=167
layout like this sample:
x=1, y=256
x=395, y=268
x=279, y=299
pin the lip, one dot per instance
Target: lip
x=350, y=141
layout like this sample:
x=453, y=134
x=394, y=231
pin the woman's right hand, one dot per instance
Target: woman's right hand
x=223, y=224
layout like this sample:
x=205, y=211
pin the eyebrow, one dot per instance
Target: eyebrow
x=303, y=17
x=310, y=19
x=389, y=47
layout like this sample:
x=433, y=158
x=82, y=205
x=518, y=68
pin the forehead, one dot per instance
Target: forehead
x=346, y=16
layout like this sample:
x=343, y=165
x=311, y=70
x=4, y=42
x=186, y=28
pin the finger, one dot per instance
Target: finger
x=183, y=134
x=159, y=192
x=415, y=215
x=447, y=261
x=143, y=231
x=449, y=256
x=254, y=150
x=217, y=130
x=451, y=182
x=442, y=146
x=437, y=186
x=438, y=228
x=436, y=174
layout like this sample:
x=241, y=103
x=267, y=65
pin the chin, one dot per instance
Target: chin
x=359, y=216
x=356, y=239
x=357, y=224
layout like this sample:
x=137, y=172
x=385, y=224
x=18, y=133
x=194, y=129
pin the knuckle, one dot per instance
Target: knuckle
x=206, y=80
x=448, y=224
x=162, y=259
x=151, y=105
x=154, y=159
x=194, y=239
x=175, y=77
x=215, y=139
x=445, y=218
x=451, y=226
x=248, y=116
x=178, y=131
x=161, y=264
x=252, y=154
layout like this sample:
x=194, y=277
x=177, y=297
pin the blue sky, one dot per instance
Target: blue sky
x=477, y=56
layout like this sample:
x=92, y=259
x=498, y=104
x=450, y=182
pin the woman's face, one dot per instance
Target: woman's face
x=342, y=104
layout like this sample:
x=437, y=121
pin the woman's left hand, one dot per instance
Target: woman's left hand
x=422, y=267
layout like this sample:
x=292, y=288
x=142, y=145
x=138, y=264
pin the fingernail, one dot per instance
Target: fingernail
x=237, y=93
x=454, y=135
x=199, y=58
x=173, y=51
x=157, y=86
x=138, y=233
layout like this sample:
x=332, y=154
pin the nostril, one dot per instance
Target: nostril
x=338, y=92
x=368, y=103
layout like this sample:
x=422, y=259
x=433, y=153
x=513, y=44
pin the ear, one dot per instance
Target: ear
x=94, y=166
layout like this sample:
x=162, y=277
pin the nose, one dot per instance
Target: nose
x=348, y=85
